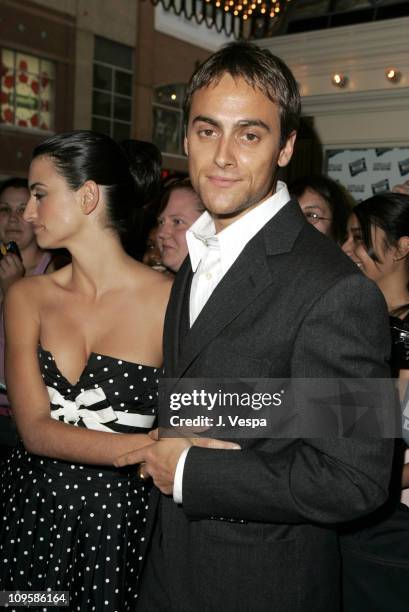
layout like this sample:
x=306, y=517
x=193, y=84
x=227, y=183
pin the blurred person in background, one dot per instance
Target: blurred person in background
x=325, y=204
x=14, y=195
x=376, y=551
x=179, y=207
x=145, y=162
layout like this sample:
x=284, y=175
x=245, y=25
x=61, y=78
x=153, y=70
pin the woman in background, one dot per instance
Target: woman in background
x=376, y=553
x=14, y=195
x=325, y=204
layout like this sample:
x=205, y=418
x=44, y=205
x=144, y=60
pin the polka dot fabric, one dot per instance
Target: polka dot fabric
x=72, y=527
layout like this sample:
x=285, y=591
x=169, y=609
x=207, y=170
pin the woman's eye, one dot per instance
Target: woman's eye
x=178, y=221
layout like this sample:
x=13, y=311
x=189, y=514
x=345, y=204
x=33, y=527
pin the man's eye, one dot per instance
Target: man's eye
x=311, y=215
x=206, y=132
x=250, y=137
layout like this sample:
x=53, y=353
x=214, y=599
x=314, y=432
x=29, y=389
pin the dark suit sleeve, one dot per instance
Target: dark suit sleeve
x=345, y=334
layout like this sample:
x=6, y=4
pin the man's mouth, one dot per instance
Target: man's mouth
x=222, y=181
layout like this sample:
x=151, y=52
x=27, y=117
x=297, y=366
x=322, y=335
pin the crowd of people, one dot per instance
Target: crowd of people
x=119, y=281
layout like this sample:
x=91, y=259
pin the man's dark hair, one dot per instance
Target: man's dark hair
x=259, y=68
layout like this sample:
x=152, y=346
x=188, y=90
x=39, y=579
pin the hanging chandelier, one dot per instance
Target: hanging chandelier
x=239, y=18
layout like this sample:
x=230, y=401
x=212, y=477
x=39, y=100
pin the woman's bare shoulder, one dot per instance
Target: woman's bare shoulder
x=37, y=287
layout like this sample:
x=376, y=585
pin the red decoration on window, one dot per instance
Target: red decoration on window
x=44, y=81
x=35, y=87
x=22, y=65
x=3, y=97
x=3, y=70
x=8, y=115
x=9, y=81
x=22, y=123
x=34, y=120
x=23, y=78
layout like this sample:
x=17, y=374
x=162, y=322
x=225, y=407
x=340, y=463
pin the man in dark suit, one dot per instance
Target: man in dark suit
x=261, y=295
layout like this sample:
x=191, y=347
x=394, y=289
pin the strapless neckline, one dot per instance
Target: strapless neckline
x=93, y=355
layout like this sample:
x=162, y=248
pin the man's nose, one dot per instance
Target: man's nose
x=224, y=156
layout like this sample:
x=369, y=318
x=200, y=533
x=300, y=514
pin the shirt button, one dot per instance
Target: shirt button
x=208, y=276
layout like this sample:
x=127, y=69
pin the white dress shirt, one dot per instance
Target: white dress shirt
x=211, y=256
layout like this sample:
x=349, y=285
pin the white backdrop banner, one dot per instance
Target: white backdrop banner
x=366, y=172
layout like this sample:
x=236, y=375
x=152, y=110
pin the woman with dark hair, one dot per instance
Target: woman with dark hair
x=325, y=204
x=83, y=352
x=145, y=161
x=376, y=553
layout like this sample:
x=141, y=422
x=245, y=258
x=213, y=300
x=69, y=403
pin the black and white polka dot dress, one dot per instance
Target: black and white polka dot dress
x=80, y=528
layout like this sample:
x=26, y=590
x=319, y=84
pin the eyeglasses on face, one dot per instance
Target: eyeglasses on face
x=313, y=217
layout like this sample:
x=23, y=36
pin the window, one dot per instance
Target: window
x=27, y=91
x=112, y=89
x=168, y=118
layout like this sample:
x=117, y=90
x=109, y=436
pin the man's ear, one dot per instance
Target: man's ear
x=89, y=197
x=287, y=150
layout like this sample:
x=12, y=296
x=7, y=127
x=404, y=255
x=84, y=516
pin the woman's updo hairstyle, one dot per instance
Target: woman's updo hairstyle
x=82, y=156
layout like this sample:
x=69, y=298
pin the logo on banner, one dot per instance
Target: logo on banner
x=357, y=166
x=380, y=186
x=380, y=152
x=404, y=166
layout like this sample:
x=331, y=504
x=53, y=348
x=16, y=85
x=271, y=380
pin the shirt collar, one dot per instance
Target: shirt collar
x=232, y=240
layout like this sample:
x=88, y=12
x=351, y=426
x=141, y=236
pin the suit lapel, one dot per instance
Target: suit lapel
x=249, y=276
x=177, y=318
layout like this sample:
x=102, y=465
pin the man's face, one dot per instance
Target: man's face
x=233, y=146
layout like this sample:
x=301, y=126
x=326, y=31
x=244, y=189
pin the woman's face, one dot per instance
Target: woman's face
x=53, y=208
x=355, y=248
x=152, y=256
x=316, y=210
x=181, y=212
x=13, y=202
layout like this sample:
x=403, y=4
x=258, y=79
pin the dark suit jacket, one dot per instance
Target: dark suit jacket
x=292, y=305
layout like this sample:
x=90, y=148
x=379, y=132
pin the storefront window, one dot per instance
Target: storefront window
x=112, y=89
x=27, y=91
x=168, y=118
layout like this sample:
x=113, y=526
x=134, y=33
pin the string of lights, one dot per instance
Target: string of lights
x=238, y=18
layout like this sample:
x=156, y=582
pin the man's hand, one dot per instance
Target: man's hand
x=159, y=459
x=11, y=269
